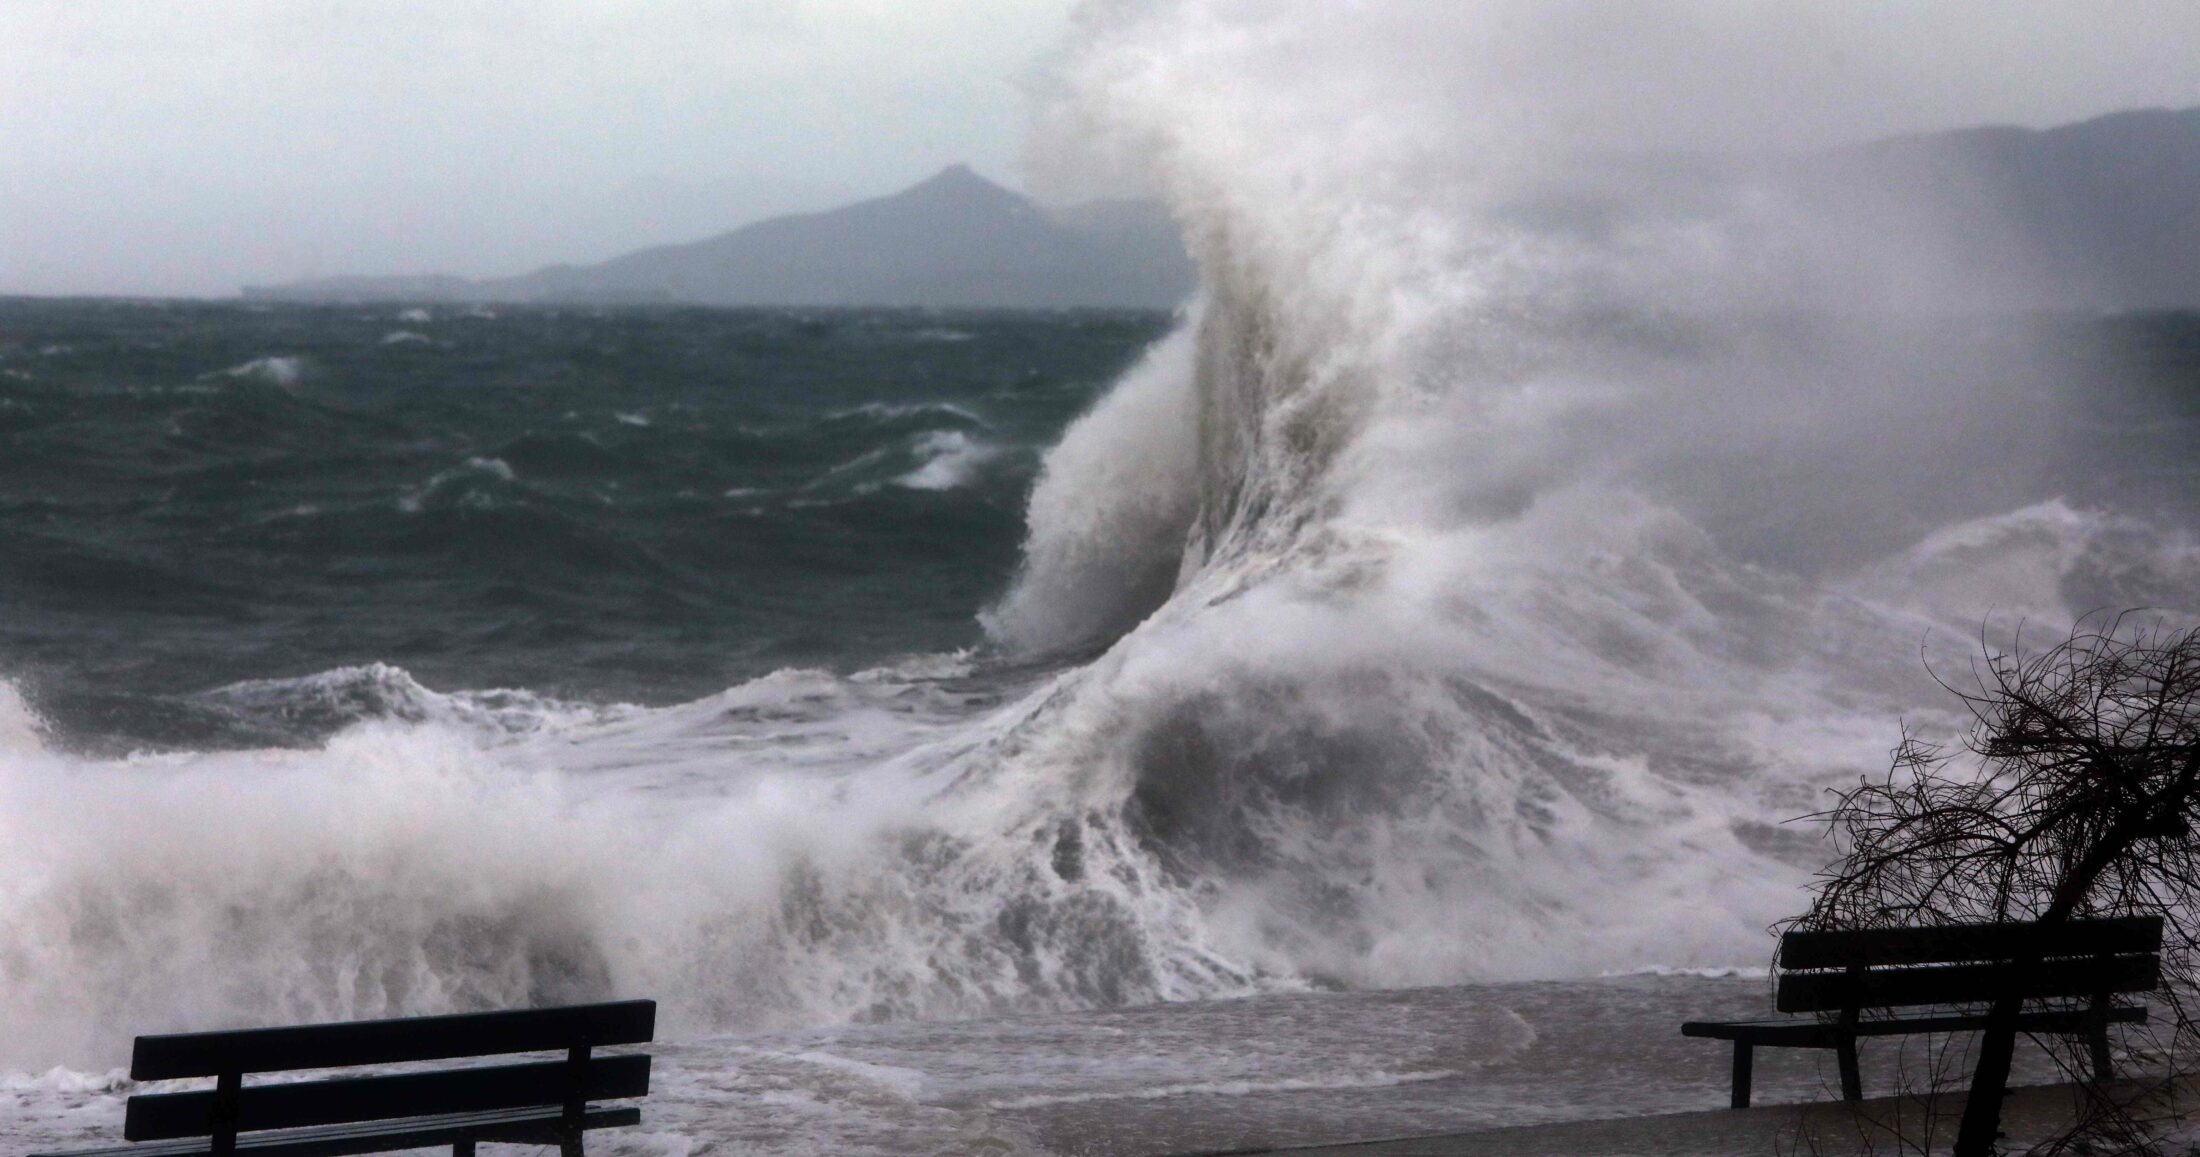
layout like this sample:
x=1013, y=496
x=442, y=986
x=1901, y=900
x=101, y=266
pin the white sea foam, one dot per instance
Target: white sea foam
x=495, y=467
x=1455, y=595
x=379, y=691
x=902, y=1082
x=855, y=465
x=405, y=337
x=275, y=370
x=951, y=459
x=1112, y=511
x=1726, y=972
x=1377, y=1080
x=66, y=1081
x=415, y=500
x=455, y=854
x=2037, y=564
x=21, y=730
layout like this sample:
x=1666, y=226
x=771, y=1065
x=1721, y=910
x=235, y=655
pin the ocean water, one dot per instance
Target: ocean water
x=710, y=656
x=631, y=506
x=1372, y=700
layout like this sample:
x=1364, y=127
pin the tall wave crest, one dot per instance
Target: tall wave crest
x=1525, y=522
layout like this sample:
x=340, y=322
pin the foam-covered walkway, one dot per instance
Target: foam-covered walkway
x=1823, y=1128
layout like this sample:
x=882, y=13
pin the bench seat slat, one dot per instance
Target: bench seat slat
x=535, y=1125
x=158, y=1116
x=1961, y=942
x=1955, y=984
x=373, y=1042
x=1946, y=976
x=1793, y=1033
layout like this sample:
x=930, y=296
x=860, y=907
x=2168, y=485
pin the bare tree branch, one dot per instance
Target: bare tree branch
x=2076, y=801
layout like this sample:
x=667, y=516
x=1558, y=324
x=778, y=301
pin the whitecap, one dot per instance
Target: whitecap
x=951, y=459
x=415, y=500
x=277, y=370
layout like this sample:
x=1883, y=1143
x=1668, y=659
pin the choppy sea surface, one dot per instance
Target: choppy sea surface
x=1375, y=699
x=367, y=661
x=218, y=518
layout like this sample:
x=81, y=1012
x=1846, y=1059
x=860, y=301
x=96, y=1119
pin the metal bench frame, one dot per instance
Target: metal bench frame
x=542, y=1102
x=2079, y=967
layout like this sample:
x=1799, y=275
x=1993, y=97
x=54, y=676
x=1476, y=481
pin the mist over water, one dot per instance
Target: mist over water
x=1564, y=515
x=1518, y=529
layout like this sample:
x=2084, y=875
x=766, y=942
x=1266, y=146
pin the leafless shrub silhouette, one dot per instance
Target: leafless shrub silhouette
x=2077, y=801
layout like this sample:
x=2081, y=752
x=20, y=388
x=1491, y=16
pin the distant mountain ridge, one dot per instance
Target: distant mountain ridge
x=2101, y=214
x=956, y=239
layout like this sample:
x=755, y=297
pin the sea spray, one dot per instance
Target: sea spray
x=1487, y=607
x=1111, y=512
x=388, y=873
x=20, y=727
x=1496, y=555
x=458, y=861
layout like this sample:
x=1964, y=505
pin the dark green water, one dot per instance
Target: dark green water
x=640, y=505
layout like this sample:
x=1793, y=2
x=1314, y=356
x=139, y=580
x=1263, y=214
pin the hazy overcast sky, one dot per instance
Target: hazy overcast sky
x=190, y=146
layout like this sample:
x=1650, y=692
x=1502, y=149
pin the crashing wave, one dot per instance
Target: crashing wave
x=1506, y=544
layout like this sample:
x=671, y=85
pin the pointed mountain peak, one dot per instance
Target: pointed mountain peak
x=961, y=183
x=958, y=173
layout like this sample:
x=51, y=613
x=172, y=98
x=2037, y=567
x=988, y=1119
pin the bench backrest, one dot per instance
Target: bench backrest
x=1968, y=963
x=229, y=1108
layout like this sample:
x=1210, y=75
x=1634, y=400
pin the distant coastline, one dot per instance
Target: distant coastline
x=2101, y=214
x=956, y=239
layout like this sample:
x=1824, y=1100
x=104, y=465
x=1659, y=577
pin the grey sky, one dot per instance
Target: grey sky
x=190, y=146
x=186, y=146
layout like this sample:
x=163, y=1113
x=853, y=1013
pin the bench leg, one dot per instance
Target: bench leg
x=1852, y=1083
x=2102, y=1071
x=463, y=1148
x=1745, y=1054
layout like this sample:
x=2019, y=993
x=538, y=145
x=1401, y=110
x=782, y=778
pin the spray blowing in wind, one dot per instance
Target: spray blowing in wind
x=1544, y=499
x=1576, y=473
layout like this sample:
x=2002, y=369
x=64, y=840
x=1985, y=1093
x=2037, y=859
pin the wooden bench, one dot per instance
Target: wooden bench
x=2075, y=969
x=538, y=1102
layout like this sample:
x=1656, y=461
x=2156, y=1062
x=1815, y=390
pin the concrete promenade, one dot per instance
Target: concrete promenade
x=1826, y=1129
